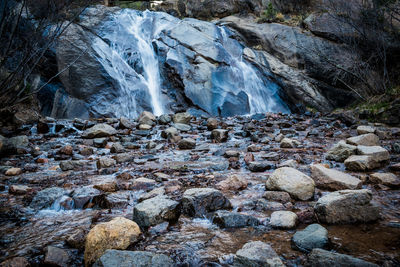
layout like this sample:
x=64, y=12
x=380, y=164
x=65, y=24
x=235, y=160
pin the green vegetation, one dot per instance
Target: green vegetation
x=138, y=5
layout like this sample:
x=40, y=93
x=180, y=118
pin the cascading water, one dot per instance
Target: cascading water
x=126, y=50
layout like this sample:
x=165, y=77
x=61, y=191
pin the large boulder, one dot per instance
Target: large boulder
x=322, y=258
x=332, y=179
x=198, y=201
x=292, y=181
x=99, y=130
x=155, y=210
x=341, y=151
x=119, y=233
x=112, y=258
x=257, y=253
x=377, y=152
x=347, y=206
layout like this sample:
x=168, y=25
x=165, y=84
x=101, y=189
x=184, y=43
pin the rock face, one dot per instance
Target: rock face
x=321, y=258
x=347, y=206
x=120, y=258
x=332, y=179
x=119, y=233
x=155, y=210
x=341, y=151
x=198, y=201
x=313, y=236
x=99, y=130
x=292, y=181
x=257, y=253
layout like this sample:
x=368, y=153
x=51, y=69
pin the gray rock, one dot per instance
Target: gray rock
x=365, y=129
x=292, y=181
x=283, y=219
x=257, y=253
x=57, y=257
x=260, y=166
x=68, y=165
x=219, y=135
x=212, y=124
x=364, y=140
x=227, y=219
x=289, y=143
x=85, y=195
x=277, y=196
x=187, y=143
x=100, y=142
x=117, y=148
x=183, y=118
x=105, y=162
x=341, y=151
x=378, y=153
x=155, y=210
x=147, y=118
x=361, y=163
x=14, y=145
x=45, y=198
x=182, y=127
x=99, y=130
x=125, y=123
x=313, y=236
x=347, y=206
x=332, y=179
x=322, y=258
x=124, y=157
x=198, y=201
x=388, y=179
x=164, y=119
x=112, y=258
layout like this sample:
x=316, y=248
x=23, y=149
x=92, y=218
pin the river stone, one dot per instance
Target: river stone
x=364, y=140
x=341, y=151
x=257, y=253
x=119, y=233
x=13, y=171
x=313, y=236
x=365, y=129
x=361, y=163
x=197, y=202
x=228, y=219
x=234, y=183
x=69, y=165
x=347, y=206
x=155, y=210
x=105, y=162
x=219, y=135
x=117, y=148
x=183, y=118
x=99, y=130
x=260, y=166
x=114, y=258
x=147, y=118
x=289, y=143
x=187, y=143
x=125, y=123
x=283, y=219
x=292, y=181
x=164, y=119
x=182, y=127
x=100, y=142
x=84, y=195
x=45, y=198
x=332, y=179
x=57, y=257
x=377, y=152
x=282, y=197
x=323, y=258
x=17, y=144
x=388, y=179
x=171, y=133
x=15, y=262
x=212, y=124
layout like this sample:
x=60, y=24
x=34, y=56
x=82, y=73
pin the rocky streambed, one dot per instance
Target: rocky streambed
x=265, y=190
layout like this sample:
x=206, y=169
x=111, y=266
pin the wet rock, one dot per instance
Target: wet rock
x=264, y=205
x=332, y=179
x=361, y=163
x=234, y=183
x=388, y=179
x=341, y=151
x=15, y=262
x=105, y=162
x=147, y=118
x=77, y=238
x=322, y=258
x=283, y=219
x=143, y=184
x=155, y=210
x=378, y=153
x=19, y=189
x=57, y=257
x=347, y=206
x=183, y=118
x=66, y=150
x=119, y=233
x=232, y=154
x=198, y=201
x=365, y=129
x=277, y=196
x=153, y=193
x=212, y=124
x=172, y=134
x=99, y=130
x=123, y=157
x=45, y=198
x=15, y=145
x=289, y=143
x=145, y=127
x=187, y=143
x=395, y=147
x=13, y=171
x=253, y=148
x=117, y=148
x=112, y=258
x=219, y=135
x=364, y=140
x=107, y=185
x=68, y=165
x=313, y=236
x=257, y=253
x=100, y=142
x=395, y=167
x=85, y=195
x=164, y=119
x=86, y=151
x=125, y=123
x=227, y=219
x=292, y=181
x=2, y=140
x=260, y=166
x=182, y=127
x=271, y=156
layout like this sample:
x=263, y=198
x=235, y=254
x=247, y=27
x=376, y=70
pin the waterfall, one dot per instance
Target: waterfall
x=127, y=50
